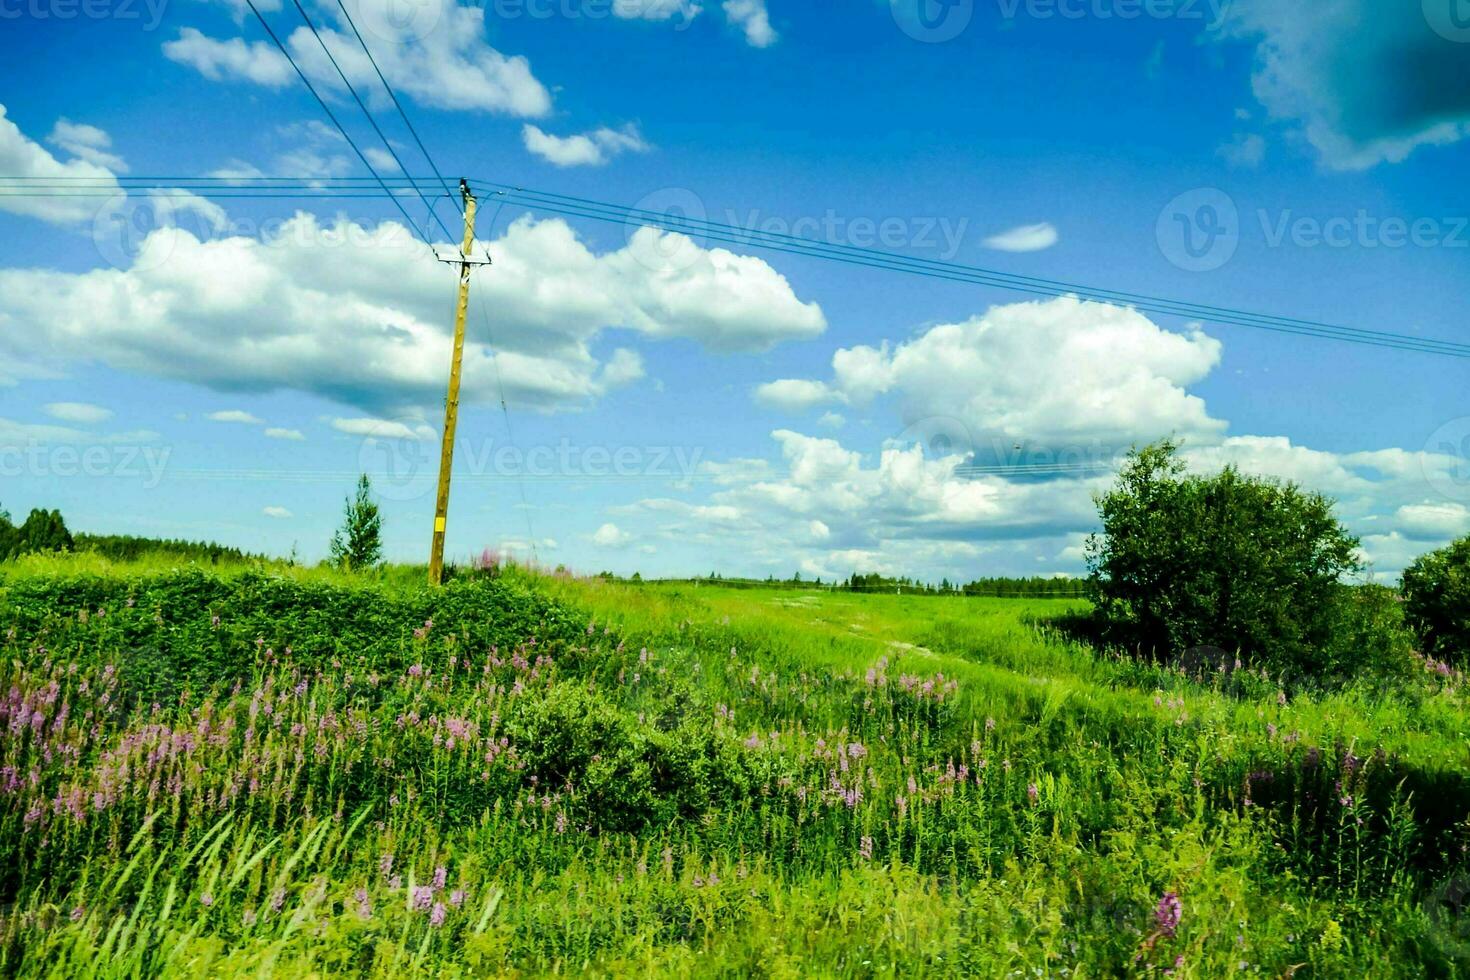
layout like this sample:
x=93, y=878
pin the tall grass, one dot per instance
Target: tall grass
x=537, y=775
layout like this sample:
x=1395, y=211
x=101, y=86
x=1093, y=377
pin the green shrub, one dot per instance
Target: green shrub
x=195, y=629
x=1246, y=564
x=622, y=772
x=1436, y=591
x=1371, y=637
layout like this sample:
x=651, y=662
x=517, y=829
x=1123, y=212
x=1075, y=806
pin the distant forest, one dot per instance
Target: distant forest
x=1020, y=588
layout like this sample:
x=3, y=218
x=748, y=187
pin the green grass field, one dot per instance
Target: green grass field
x=257, y=769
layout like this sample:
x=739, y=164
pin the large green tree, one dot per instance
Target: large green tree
x=1247, y=564
x=1436, y=590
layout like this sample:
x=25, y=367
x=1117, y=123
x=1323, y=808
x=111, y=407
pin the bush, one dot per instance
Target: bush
x=623, y=773
x=193, y=629
x=1243, y=563
x=1371, y=636
x=1436, y=591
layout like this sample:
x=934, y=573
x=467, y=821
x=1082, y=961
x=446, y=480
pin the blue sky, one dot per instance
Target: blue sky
x=694, y=405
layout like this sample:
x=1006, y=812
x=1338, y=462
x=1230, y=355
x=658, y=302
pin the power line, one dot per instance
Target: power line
x=398, y=105
x=569, y=206
x=333, y=117
x=371, y=121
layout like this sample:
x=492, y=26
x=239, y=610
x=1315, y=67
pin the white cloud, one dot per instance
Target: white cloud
x=358, y=314
x=234, y=416
x=1050, y=373
x=794, y=394
x=279, y=513
x=382, y=160
x=591, y=149
x=21, y=157
x=1365, y=82
x=86, y=143
x=109, y=216
x=383, y=429
x=15, y=435
x=258, y=62
x=78, y=412
x=751, y=17
x=611, y=536
x=436, y=55
x=1433, y=521
x=1026, y=238
x=290, y=435
x=1040, y=386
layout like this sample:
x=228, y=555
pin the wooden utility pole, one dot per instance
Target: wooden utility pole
x=451, y=403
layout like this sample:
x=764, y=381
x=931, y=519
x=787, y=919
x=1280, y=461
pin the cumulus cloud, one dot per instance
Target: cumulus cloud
x=611, y=536
x=1433, y=521
x=592, y=149
x=86, y=143
x=278, y=513
x=436, y=55
x=753, y=20
x=1051, y=372
x=1365, y=82
x=357, y=314
x=80, y=413
x=289, y=435
x=108, y=215
x=1026, y=238
x=830, y=509
x=794, y=394
x=22, y=157
x=1000, y=431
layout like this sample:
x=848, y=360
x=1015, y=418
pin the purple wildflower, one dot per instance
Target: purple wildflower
x=1168, y=914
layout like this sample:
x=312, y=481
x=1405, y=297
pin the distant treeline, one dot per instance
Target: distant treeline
x=1035, y=587
x=45, y=530
x=126, y=547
